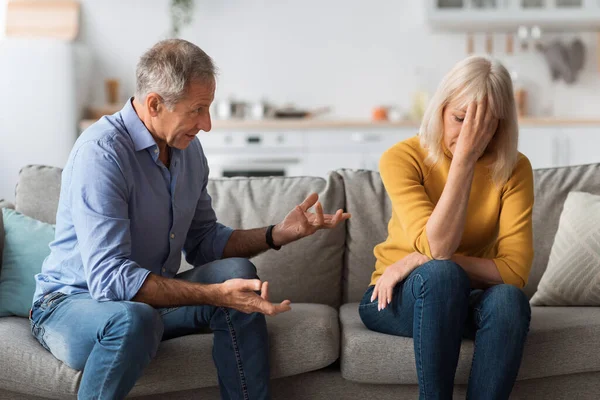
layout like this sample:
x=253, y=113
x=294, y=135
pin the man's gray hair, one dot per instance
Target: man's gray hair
x=168, y=67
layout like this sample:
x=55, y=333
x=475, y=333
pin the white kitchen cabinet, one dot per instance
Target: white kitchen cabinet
x=541, y=145
x=327, y=151
x=580, y=145
x=508, y=15
x=320, y=163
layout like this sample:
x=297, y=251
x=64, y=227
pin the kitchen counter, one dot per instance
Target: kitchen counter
x=321, y=124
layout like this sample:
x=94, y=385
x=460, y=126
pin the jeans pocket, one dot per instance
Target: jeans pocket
x=51, y=300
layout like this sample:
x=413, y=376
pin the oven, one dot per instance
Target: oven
x=247, y=154
x=228, y=166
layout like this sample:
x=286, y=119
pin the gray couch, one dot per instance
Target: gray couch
x=321, y=349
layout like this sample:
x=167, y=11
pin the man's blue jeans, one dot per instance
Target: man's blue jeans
x=436, y=306
x=112, y=342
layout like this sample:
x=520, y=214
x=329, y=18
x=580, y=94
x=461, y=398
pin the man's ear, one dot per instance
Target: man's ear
x=154, y=104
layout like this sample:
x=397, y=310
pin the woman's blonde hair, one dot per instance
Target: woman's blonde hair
x=476, y=78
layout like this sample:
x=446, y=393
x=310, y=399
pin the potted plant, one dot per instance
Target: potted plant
x=181, y=15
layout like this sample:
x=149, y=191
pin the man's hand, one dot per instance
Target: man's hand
x=240, y=294
x=393, y=274
x=300, y=223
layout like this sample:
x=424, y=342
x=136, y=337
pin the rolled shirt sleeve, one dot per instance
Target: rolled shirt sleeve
x=101, y=220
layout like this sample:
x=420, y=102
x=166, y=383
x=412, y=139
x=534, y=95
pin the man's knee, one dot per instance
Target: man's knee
x=241, y=268
x=140, y=322
x=221, y=271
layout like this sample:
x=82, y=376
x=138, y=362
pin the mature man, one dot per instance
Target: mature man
x=134, y=196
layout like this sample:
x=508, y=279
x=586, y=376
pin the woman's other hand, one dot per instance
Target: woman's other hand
x=394, y=274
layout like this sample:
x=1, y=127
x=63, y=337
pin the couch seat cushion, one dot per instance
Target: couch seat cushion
x=562, y=340
x=302, y=340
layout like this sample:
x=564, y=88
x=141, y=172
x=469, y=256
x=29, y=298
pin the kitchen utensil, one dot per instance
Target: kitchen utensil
x=523, y=35
x=112, y=90
x=261, y=110
x=509, y=44
x=34, y=18
x=292, y=112
x=558, y=57
x=576, y=55
x=489, y=43
x=536, y=36
x=470, y=44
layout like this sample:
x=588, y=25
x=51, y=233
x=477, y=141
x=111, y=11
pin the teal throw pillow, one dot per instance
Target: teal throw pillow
x=26, y=243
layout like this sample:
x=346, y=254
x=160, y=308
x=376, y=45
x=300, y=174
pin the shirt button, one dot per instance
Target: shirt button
x=164, y=270
x=172, y=236
x=156, y=150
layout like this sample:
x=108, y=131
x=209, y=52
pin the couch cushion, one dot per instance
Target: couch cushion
x=3, y=204
x=37, y=192
x=370, y=206
x=551, y=189
x=572, y=277
x=26, y=246
x=302, y=340
x=306, y=271
x=562, y=340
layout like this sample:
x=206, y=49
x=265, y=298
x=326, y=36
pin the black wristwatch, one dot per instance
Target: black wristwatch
x=269, y=237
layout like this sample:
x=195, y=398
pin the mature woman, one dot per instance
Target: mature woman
x=459, y=247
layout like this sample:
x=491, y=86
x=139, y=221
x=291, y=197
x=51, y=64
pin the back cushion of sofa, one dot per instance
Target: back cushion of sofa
x=552, y=186
x=371, y=209
x=307, y=271
x=37, y=192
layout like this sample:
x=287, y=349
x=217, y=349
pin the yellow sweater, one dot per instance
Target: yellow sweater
x=498, y=224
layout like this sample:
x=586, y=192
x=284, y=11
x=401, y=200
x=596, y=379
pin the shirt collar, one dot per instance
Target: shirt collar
x=141, y=137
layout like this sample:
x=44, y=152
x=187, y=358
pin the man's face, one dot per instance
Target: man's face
x=190, y=116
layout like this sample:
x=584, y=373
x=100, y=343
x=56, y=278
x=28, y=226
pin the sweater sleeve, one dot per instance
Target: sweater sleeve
x=514, y=246
x=403, y=178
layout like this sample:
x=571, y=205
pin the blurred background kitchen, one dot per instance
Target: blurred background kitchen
x=304, y=87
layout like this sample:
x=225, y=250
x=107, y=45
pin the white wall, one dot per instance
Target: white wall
x=350, y=54
x=2, y=18
x=38, y=106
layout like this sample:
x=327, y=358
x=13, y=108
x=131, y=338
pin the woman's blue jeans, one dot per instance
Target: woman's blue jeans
x=436, y=306
x=113, y=341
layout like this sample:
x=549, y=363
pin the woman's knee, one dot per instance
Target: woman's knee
x=444, y=277
x=507, y=307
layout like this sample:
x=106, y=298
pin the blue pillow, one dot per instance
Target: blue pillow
x=26, y=243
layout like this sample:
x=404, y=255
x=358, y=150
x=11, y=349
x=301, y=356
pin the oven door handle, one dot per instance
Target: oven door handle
x=263, y=161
